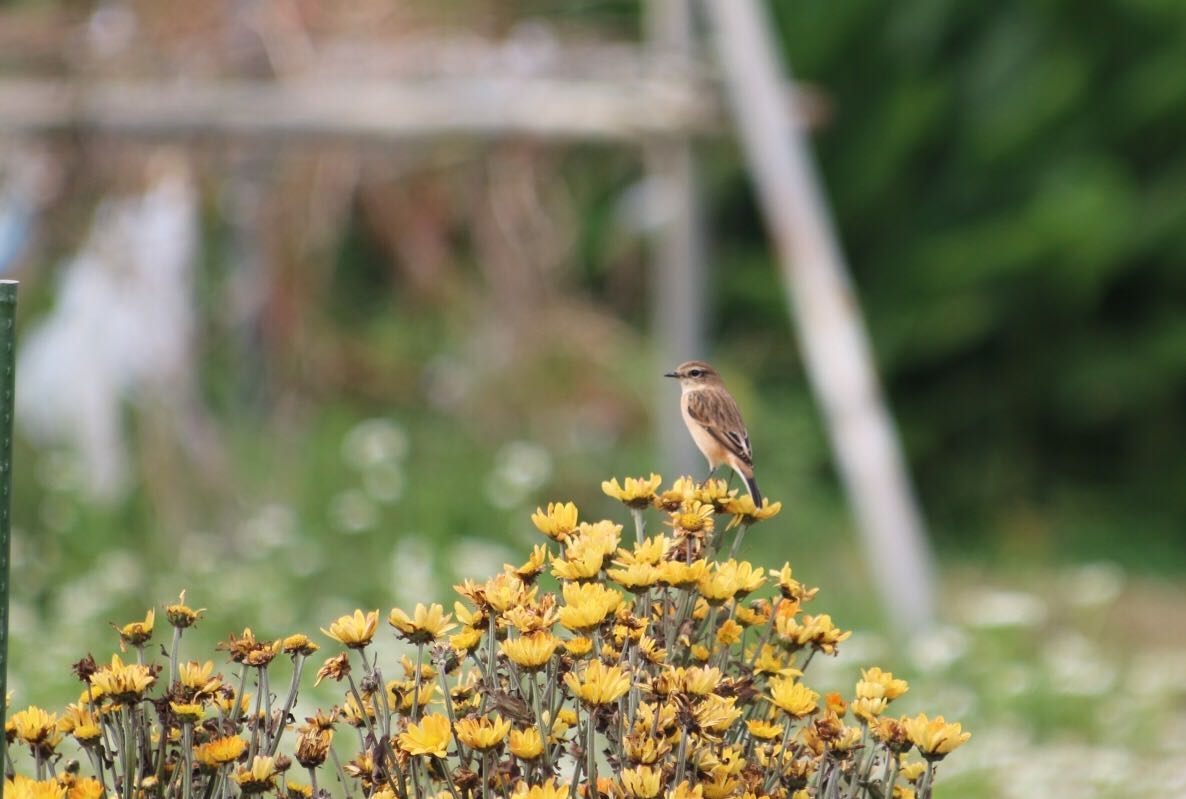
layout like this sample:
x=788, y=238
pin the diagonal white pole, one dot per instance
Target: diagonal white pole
x=826, y=313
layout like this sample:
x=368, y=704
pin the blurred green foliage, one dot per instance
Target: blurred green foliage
x=1010, y=186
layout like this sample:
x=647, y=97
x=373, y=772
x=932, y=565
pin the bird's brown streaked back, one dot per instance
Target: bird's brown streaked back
x=717, y=413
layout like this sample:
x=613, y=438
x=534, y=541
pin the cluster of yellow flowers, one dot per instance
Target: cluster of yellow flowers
x=654, y=671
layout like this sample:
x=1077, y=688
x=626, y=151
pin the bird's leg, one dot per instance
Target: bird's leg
x=711, y=471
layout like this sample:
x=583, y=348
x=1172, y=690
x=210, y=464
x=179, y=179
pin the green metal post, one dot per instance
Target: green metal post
x=7, y=375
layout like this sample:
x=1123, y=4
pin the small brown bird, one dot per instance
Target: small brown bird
x=713, y=419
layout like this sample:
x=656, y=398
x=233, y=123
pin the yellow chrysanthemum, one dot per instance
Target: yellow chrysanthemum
x=298, y=644
x=137, y=633
x=355, y=630
x=935, y=738
x=744, y=511
x=579, y=563
x=578, y=647
x=531, y=652
x=181, y=615
x=198, y=678
x=635, y=492
x=678, y=574
x=793, y=698
x=260, y=776
x=483, y=733
x=693, y=517
x=220, y=751
x=187, y=712
x=424, y=625
x=546, y=790
x=557, y=522
x=642, y=782
x=636, y=578
x=587, y=605
x=123, y=681
x=877, y=684
x=21, y=787
x=764, y=730
x=82, y=723
x=83, y=788
x=526, y=744
x=598, y=684
x=467, y=640
x=34, y=725
x=430, y=737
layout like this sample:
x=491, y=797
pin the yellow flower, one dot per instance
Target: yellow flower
x=355, y=631
x=718, y=585
x=599, y=684
x=716, y=714
x=298, y=644
x=220, y=751
x=815, y=631
x=247, y=649
x=535, y=564
x=649, y=552
x=35, y=726
x=636, y=492
x=685, y=791
x=875, y=684
x=505, y=591
x=137, y=633
x=770, y=662
x=912, y=771
x=892, y=733
x=578, y=647
x=764, y=730
x=83, y=788
x=259, y=777
x=793, y=698
x=526, y=744
x=198, y=678
x=935, y=738
x=557, y=522
x=698, y=680
x=793, y=589
x=748, y=578
x=868, y=708
x=301, y=790
x=643, y=748
x=693, y=517
x=424, y=625
x=82, y=723
x=729, y=633
x=642, y=782
x=587, y=605
x=430, y=737
x=754, y=616
x=124, y=682
x=21, y=787
x=531, y=652
x=482, y=733
x=546, y=790
x=636, y=578
x=700, y=652
x=744, y=512
x=678, y=574
x=467, y=640
x=583, y=563
x=181, y=615
x=187, y=711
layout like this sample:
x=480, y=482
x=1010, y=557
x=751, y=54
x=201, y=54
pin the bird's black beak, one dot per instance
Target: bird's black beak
x=671, y=374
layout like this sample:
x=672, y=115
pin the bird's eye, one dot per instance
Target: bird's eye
x=696, y=372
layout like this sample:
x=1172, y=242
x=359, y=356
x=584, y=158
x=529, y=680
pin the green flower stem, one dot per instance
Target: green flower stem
x=298, y=664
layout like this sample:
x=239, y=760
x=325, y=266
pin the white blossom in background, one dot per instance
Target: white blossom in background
x=120, y=329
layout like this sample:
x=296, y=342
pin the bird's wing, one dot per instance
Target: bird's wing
x=717, y=413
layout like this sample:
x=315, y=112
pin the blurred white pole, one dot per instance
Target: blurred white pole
x=678, y=274
x=826, y=314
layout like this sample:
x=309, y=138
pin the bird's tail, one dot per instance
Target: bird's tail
x=752, y=485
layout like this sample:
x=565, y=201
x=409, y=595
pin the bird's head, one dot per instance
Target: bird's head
x=694, y=374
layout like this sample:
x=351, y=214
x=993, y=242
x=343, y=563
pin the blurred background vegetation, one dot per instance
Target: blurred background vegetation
x=396, y=353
